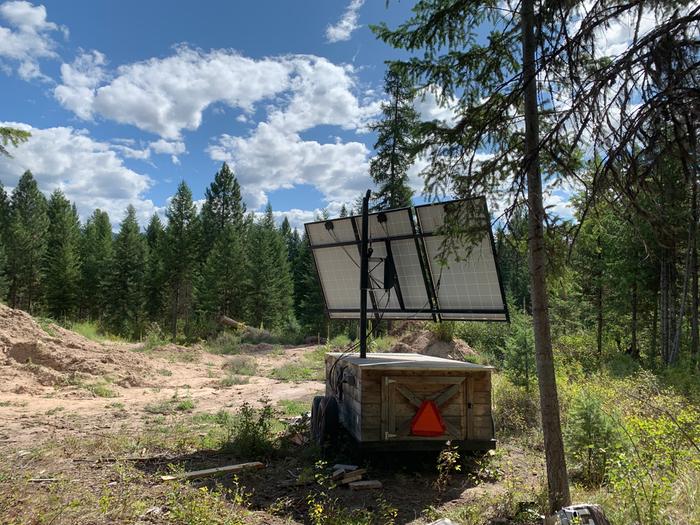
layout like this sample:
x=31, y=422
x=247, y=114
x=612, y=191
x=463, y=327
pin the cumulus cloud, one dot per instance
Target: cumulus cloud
x=28, y=38
x=89, y=172
x=166, y=95
x=271, y=159
x=343, y=28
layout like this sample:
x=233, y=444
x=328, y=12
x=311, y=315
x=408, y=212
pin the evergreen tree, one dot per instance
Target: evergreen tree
x=222, y=286
x=11, y=136
x=291, y=239
x=181, y=250
x=125, y=308
x=4, y=219
x=223, y=205
x=26, y=233
x=269, y=290
x=155, y=284
x=394, y=146
x=96, y=257
x=308, y=293
x=62, y=262
x=343, y=211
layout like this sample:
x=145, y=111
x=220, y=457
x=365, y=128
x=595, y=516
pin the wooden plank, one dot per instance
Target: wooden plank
x=404, y=410
x=481, y=398
x=213, y=471
x=447, y=394
x=481, y=410
x=470, y=409
x=371, y=484
x=407, y=394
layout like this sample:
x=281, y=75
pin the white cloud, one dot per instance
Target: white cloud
x=89, y=172
x=343, y=28
x=166, y=95
x=77, y=93
x=28, y=37
x=271, y=159
x=428, y=108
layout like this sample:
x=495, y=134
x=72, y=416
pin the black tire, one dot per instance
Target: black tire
x=330, y=422
x=316, y=418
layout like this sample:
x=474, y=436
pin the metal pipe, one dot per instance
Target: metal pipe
x=364, y=274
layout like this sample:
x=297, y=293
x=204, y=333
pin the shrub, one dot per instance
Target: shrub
x=251, y=431
x=592, y=437
x=339, y=342
x=154, y=337
x=515, y=409
x=226, y=343
x=444, y=331
x=242, y=364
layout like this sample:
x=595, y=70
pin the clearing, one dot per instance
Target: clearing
x=87, y=428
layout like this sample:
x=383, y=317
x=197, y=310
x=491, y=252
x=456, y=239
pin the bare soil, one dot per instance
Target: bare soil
x=426, y=342
x=71, y=455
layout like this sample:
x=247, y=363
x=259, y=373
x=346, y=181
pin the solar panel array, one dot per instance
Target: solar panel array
x=430, y=283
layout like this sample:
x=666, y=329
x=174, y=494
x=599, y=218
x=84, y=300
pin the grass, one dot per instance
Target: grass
x=164, y=372
x=91, y=330
x=233, y=379
x=100, y=389
x=308, y=368
x=226, y=343
x=294, y=407
x=242, y=365
x=171, y=406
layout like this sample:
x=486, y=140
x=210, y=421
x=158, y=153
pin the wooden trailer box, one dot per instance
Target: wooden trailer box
x=380, y=396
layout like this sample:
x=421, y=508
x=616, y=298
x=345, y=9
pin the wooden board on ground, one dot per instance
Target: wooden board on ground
x=213, y=471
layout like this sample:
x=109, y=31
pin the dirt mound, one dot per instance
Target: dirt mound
x=426, y=342
x=58, y=356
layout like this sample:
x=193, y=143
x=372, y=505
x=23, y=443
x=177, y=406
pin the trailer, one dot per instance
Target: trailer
x=394, y=264
x=393, y=401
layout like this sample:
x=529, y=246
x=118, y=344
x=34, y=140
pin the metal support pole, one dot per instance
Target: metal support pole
x=364, y=274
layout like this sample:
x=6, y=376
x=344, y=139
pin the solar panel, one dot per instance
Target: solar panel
x=467, y=282
x=466, y=287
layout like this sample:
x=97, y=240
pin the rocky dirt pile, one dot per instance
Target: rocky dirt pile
x=426, y=342
x=31, y=356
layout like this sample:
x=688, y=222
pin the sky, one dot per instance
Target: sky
x=126, y=99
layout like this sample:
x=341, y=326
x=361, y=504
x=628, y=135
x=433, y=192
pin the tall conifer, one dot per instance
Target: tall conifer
x=62, y=262
x=181, y=249
x=155, y=285
x=394, y=146
x=269, y=290
x=125, y=309
x=96, y=257
x=27, y=229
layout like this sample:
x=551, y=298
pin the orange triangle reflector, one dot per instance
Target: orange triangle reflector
x=427, y=422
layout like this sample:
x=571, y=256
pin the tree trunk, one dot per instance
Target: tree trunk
x=695, y=300
x=634, y=346
x=176, y=307
x=557, y=479
x=599, y=303
x=654, y=331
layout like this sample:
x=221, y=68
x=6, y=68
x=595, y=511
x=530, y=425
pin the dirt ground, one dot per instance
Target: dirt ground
x=86, y=427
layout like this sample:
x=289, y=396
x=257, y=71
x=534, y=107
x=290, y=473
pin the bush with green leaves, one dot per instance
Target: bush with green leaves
x=251, y=430
x=444, y=331
x=592, y=438
x=519, y=351
x=515, y=409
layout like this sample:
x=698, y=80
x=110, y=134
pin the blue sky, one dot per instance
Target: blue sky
x=125, y=99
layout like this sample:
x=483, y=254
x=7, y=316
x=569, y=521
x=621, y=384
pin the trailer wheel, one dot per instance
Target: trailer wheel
x=330, y=422
x=315, y=418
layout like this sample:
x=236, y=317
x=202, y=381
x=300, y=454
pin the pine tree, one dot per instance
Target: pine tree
x=4, y=219
x=269, y=289
x=27, y=228
x=394, y=146
x=62, y=261
x=343, y=211
x=155, y=285
x=291, y=239
x=96, y=256
x=181, y=251
x=308, y=293
x=222, y=287
x=125, y=308
x=223, y=205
